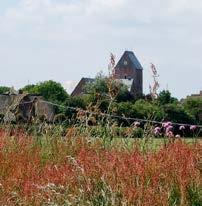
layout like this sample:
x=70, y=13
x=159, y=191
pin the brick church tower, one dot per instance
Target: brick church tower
x=129, y=69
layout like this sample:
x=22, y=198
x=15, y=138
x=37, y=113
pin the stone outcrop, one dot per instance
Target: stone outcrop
x=25, y=107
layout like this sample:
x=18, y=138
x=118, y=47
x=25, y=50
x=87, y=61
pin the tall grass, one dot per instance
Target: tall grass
x=79, y=170
x=47, y=164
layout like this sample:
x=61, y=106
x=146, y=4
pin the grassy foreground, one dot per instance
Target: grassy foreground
x=80, y=170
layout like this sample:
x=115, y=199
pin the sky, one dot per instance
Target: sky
x=65, y=40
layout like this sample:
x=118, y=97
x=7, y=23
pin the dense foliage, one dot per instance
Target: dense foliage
x=107, y=95
x=50, y=90
x=164, y=108
x=186, y=111
x=4, y=89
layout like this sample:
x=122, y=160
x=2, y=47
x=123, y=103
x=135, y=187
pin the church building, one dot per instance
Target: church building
x=128, y=71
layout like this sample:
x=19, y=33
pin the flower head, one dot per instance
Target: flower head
x=157, y=130
x=169, y=128
x=182, y=127
x=193, y=127
x=170, y=134
x=167, y=124
x=137, y=124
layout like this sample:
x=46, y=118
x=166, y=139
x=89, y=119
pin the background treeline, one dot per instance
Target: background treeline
x=106, y=95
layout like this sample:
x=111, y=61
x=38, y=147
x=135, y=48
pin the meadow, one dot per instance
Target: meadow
x=91, y=157
x=70, y=167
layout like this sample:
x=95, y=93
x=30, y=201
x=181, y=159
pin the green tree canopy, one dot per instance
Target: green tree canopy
x=141, y=109
x=193, y=106
x=30, y=88
x=175, y=112
x=50, y=90
x=165, y=98
x=4, y=89
x=102, y=86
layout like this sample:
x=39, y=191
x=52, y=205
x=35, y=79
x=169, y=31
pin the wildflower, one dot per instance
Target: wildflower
x=137, y=124
x=167, y=124
x=170, y=134
x=177, y=136
x=193, y=127
x=182, y=127
x=169, y=128
x=157, y=130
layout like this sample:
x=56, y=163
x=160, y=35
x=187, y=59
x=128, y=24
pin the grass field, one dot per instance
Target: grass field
x=151, y=144
x=76, y=169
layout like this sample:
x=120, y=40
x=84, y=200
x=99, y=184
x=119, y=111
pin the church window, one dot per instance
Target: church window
x=125, y=63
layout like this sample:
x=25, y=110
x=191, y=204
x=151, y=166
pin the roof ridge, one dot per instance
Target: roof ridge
x=134, y=60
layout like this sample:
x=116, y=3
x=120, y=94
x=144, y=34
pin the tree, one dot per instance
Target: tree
x=124, y=95
x=141, y=109
x=97, y=90
x=175, y=112
x=50, y=90
x=148, y=110
x=31, y=89
x=165, y=98
x=4, y=89
x=193, y=106
x=102, y=86
x=126, y=109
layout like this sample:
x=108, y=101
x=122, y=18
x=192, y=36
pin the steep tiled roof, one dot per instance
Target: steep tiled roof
x=79, y=89
x=129, y=55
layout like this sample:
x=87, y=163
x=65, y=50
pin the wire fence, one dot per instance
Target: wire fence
x=115, y=116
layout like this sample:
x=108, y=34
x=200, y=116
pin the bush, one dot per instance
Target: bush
x=193, y=106
x=50, y=90
x=176, y=113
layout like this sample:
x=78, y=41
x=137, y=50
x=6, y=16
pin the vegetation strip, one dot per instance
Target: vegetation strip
x=78, y=170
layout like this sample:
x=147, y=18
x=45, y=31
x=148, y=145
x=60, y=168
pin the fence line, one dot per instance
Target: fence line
x=115, y=116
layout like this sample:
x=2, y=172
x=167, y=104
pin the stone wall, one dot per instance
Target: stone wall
x=29, y=106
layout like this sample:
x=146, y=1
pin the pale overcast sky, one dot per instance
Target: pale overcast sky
x=65, y=40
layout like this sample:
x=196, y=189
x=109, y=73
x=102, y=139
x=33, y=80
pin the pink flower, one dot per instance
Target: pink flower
x=193, y=127
x=170, y=134
x=169, y=129
x=167, y=124
x=157, y=130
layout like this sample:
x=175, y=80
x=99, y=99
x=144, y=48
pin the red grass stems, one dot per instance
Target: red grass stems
x=77, y=171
